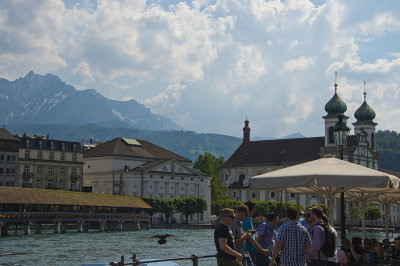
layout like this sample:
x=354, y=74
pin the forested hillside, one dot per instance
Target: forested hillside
x=188, y=143
x=388, y=146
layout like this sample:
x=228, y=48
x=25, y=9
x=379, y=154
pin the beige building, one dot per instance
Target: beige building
x=9, y=146
x=140, y=168
x=49, y=163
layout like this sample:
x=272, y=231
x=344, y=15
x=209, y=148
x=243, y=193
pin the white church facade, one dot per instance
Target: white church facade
x=256, y=157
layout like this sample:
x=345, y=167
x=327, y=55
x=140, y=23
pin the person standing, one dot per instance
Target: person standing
x=306, y=220
x=292, y=241
x=240, y=236
x=223, y=239
x=266, y=238
x=316, y=257
x=248, y=227
x=332, y=261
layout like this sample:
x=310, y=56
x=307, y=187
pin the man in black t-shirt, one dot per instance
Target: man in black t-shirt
x=223, y=238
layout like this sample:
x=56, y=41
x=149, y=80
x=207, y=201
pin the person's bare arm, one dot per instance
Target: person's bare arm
x=258, y=247
x=243, y=238
x=277, y=248
x=225, y=248
x=356, y=256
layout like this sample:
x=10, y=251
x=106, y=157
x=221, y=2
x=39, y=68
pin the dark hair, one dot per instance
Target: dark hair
x=242, y=208
x=291, y=212
x=317, y=211
x=250, y=204
x=271, y=216
x=356, y=241
x=325, y=219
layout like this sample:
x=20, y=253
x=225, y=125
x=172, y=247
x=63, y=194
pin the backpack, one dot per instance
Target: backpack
x=329, y=246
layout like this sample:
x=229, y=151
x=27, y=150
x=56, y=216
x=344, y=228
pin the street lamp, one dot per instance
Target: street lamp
x=340, y=133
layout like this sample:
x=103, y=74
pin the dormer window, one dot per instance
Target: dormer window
x=63, y=146
x=28, y=143
x=52, y=145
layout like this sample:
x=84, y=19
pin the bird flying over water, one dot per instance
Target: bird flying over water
x=162, y=238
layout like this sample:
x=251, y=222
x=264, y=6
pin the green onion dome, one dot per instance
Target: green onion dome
x=335, y=105
x=364, y=113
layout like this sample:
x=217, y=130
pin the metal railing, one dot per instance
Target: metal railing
x=194, y=258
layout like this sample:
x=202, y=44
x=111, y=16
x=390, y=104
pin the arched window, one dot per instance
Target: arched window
x=272, y=195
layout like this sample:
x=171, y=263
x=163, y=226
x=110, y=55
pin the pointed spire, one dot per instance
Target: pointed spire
x=246, y=132
x=335, y=81
x=365, y=92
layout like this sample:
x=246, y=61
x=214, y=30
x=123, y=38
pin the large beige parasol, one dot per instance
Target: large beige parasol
x=326, y=177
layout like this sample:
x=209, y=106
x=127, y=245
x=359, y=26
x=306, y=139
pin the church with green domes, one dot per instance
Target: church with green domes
x=257, y=157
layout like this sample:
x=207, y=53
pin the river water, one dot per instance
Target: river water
x=77, y=248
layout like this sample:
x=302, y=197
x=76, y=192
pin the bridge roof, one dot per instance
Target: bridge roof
x=17, y=195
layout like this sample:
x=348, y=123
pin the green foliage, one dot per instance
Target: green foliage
x=154, y=203
x=388, y=146
x=187, y=206
x=209, y=164
x=217, y=206
x=355, y=213
x=262, y=207
x=373, y=213
x=190, y=206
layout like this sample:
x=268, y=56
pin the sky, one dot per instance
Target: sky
x=207, y=65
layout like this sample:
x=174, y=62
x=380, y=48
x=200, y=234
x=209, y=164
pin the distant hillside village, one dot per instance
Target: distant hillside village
x=124, y=166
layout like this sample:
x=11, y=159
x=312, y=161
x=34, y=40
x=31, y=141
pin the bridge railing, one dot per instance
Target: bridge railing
x=194, y=258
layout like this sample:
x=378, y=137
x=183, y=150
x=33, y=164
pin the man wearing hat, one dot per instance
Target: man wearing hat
x=306, y=220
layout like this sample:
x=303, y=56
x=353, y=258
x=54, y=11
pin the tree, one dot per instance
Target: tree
x=218, y=206
x=190, y=206
x=167, y=207
x=209, y=164
x=373, y=213
x=355, y=213
x=154, y=203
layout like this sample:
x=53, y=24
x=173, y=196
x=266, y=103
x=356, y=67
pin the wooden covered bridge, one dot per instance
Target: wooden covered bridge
x=36, y=209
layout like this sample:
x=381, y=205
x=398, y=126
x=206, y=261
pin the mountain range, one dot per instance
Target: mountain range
x=48, y=100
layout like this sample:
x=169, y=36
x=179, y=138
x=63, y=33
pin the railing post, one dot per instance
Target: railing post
x=195, y=260
x=122, y=260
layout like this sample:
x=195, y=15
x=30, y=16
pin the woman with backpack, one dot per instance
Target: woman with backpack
x=332, y=261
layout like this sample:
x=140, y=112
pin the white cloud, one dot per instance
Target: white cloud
x=380, y=66
x=301, y=63
x=380, y=24
x=250, y=65
x=83, y=70
x=169, y=98
x=241, y=99
x=271, y=60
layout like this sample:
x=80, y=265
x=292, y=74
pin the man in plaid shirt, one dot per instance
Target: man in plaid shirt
x=292, y=240
x=240, y=236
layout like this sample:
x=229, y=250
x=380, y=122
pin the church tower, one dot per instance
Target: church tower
x=333, y=107
x=246, y=132
x=364, y=127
